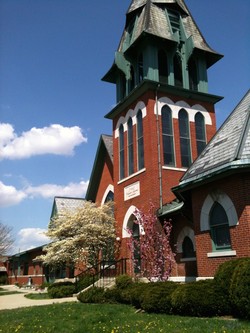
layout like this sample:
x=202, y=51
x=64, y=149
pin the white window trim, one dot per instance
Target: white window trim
x=229, y=253
x=110, y=188
x=224, y=200
x=131, y=176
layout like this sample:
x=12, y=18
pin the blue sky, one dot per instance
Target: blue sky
x=52, y=100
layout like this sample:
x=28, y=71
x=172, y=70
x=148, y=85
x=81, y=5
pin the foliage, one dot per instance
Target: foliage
x=157, y=297
x=156, y=254
x=123, y=281
x=222, y=278
x=80, y=235
x=6, y=239
x=3, y=279
x=112, y=318
x=61, y=289
x=37, y=296
x=198, y=299
x=92, y=295
x=240, y=289
x=84, y=282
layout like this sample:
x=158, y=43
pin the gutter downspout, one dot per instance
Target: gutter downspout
x=158, y=146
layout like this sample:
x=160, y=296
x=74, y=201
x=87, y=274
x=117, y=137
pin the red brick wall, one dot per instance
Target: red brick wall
x=149, y=179
x=237, y=188
x=106, y=179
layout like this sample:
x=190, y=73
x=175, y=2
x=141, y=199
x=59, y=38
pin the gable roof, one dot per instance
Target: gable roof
x=62, y=204
x=105, y=147
x=229, y=149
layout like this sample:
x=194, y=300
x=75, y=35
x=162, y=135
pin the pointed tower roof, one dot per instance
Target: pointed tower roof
x=228, y=150
x=135, y=4
x=152, y=19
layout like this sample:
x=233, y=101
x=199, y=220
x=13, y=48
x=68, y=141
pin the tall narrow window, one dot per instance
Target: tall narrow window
x=184, y=138
x=140, y=68
x=140, y=144
x=167, y=136
x=174, y=18
x=163, y=66
x=178, y=79
x=121, y=152
x=219, y=228
x=130, y=147
x=188, y=248
x=132, y=79
x=193, y=75
x=200, y=132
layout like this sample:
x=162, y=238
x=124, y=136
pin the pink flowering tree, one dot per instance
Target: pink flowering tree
x=156, y=255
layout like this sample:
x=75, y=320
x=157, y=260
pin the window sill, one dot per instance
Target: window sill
x=229, y=253
x=165, y=167
x=131, y=176
x=188, y=259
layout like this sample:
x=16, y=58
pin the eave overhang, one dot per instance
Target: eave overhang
x=147, y=85
x=169, y=209
x=223, y=171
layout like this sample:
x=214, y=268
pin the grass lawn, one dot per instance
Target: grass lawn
x=96, y=318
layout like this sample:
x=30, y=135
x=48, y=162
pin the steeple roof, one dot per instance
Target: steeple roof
x=228, y=150
x=152, y=19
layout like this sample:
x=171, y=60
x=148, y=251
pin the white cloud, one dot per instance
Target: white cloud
x=55, y=139
x=29, y=238
x=52, y=190
x=10, y=196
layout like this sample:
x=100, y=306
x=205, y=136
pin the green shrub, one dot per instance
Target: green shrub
x=199, y=299
x=92, y=295
x=123, y=281
x=113, y=295
x=84, y=282
x=222, y=278
x=136, y=293
x=156, y=297
x=3, y=279
x=61, y=289
x=240, y=289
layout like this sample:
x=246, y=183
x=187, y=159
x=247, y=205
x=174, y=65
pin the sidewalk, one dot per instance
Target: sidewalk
x=18, y=300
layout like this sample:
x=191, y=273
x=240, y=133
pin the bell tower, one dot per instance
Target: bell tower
x=162, y=43
x=164, y=115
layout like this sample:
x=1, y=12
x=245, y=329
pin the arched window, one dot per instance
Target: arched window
x=163, y=66
x=130, y=147
x=193, y=75
x=109, y=197
x=121, y=152
x=188, y=248
x=167, y=136
x=184, y=138
x=178, y=79
x=140, y=144
x=219, y=228
x=200, y=132
x=140, y=68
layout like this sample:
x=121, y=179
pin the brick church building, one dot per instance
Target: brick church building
x=164, y=148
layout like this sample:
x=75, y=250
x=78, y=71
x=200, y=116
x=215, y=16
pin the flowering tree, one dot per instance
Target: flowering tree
x=156, y=255
x=80, y=235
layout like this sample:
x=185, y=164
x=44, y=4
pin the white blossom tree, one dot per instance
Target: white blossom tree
x=80, y=236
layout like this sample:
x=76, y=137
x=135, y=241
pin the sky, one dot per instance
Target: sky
x=53, y=54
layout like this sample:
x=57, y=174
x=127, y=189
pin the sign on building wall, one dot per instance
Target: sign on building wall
x=132, y=191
